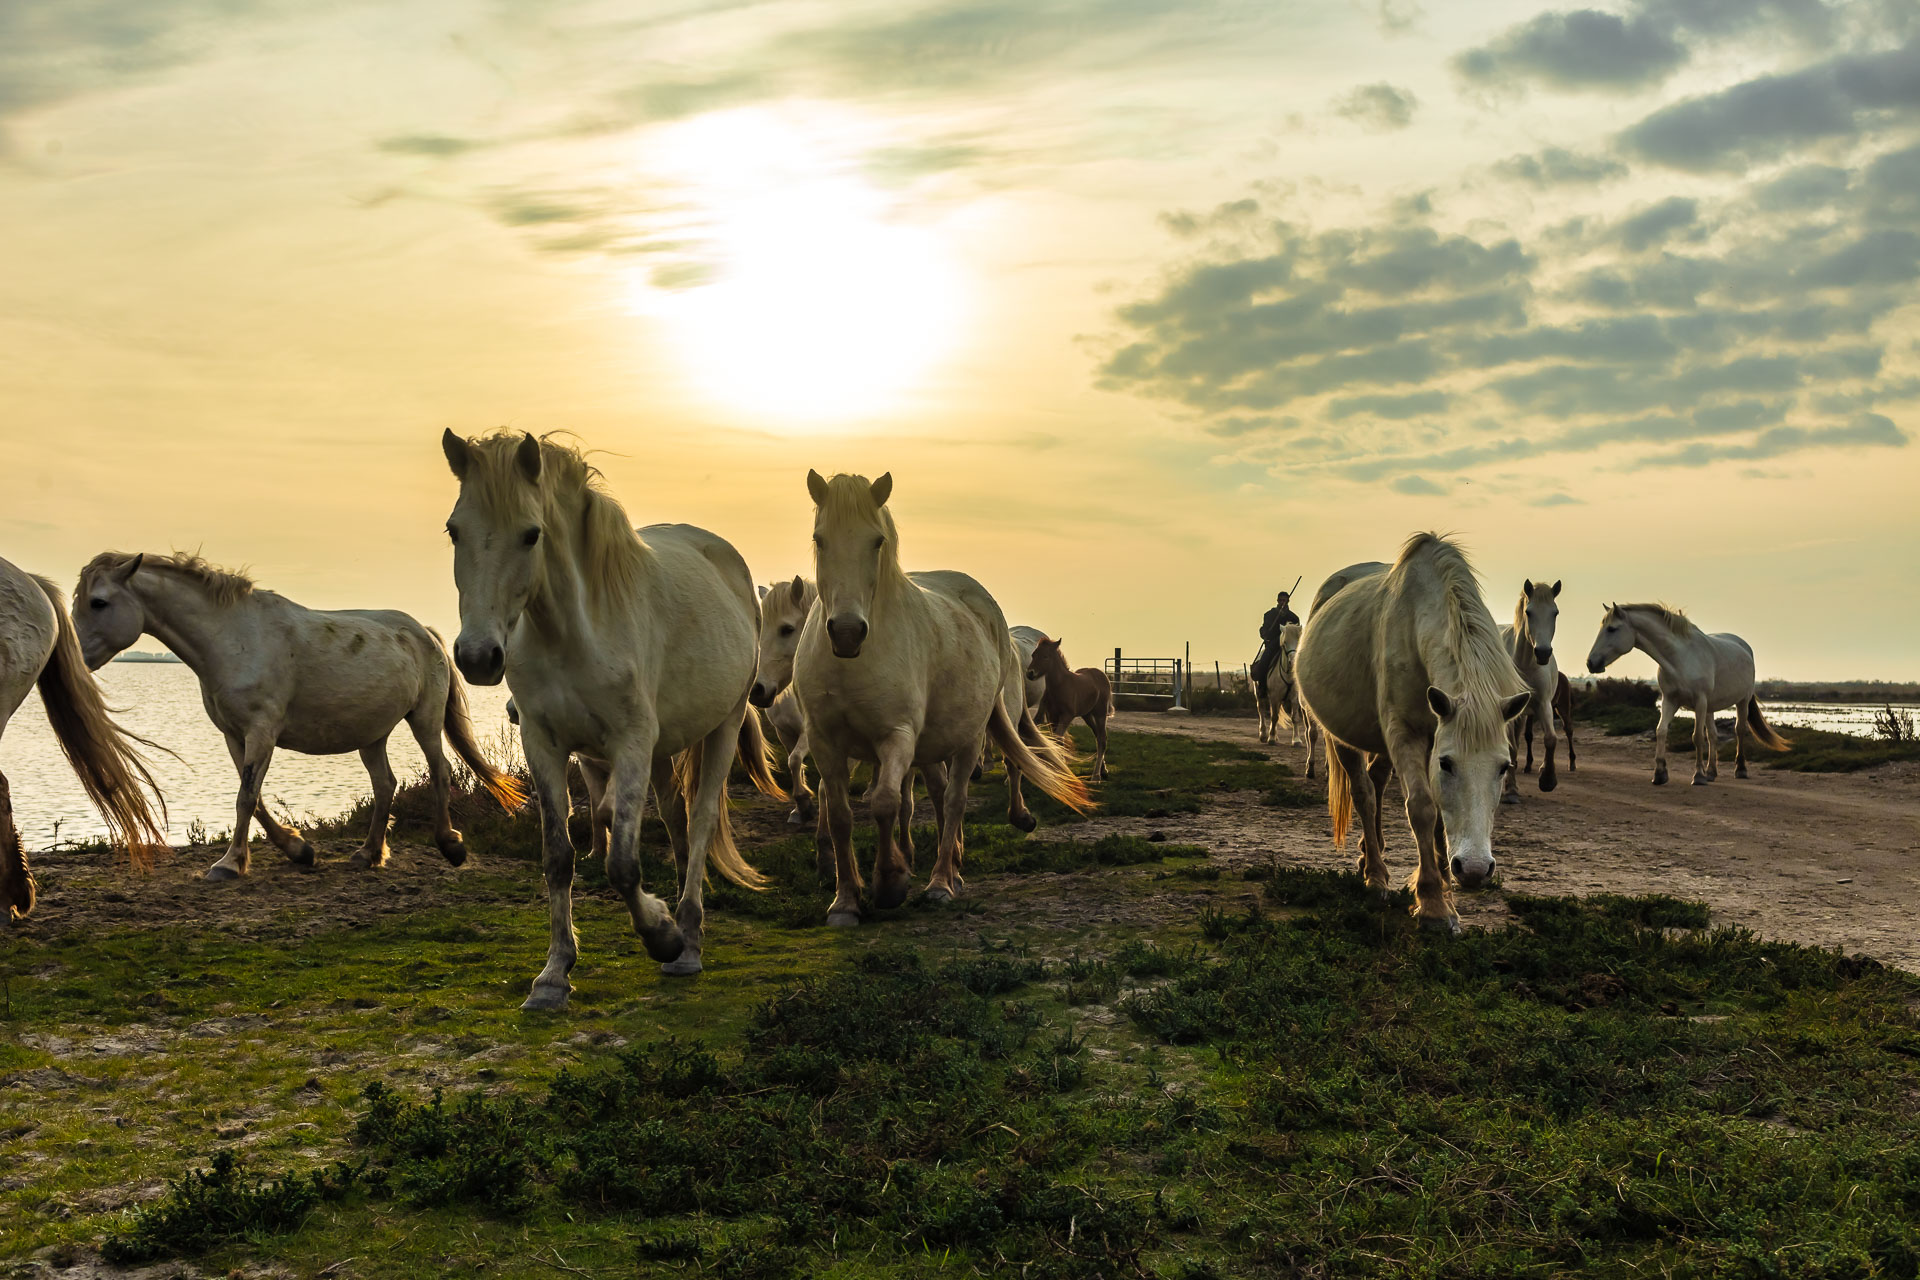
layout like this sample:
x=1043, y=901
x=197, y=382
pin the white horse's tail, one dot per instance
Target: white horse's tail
x=757, y=755
x=503, y=787
x=1762, y=731
x=722, y=853
x=1339, y=794
x=103, y=755
x=1038, y=757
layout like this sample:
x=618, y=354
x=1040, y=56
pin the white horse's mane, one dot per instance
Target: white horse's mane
x=573, y=507
x=1472, y=665
x=850, y=501
x=1675, y=621
x=225, y=586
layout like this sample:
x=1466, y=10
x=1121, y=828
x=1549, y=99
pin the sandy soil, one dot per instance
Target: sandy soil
x=1827, y=859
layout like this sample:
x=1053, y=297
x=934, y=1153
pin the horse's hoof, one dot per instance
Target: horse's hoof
x=218, y=872
x=685, y=967
x=937, y=893
x=454, y=851
x=301, y=855
x=842, y=919
x=663, y=941
x=1509, y=797
x=546, y=1000
x=1528, y=769
x=795, y=818
x=360, y=861
x=1548, y=782
x=1701, y=779
x=1024, y=821
x=888, y=894
x=1447, y=924
x=1383, y=897
x=1660, y=778
x=1741, y=772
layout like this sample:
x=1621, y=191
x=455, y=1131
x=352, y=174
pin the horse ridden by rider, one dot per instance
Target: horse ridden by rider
x=1270, y=626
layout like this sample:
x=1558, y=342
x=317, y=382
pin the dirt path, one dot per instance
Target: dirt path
x=1821, y=858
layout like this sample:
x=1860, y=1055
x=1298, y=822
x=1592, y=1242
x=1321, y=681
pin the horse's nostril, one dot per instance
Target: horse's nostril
x=1456, y=865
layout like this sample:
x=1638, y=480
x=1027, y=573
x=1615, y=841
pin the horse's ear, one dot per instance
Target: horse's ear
x=131, y=567
x=456, y=450
x=1556, y=591
x=799, y=589
x=1527, y=587
x=763, y=592
x=527, y=458
x=1515, y=706
x=882, y=489
x=1441, y=704
x=817, y=486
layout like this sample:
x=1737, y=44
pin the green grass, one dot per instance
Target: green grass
x=1812, y=750
x=1606, y=1089
x=1156, y=775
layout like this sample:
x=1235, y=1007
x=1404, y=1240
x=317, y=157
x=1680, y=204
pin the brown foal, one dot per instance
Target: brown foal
x=1073, y=695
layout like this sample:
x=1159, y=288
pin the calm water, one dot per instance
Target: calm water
x=161, y=702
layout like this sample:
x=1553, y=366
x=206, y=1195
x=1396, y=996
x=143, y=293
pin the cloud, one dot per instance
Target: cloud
x=1584, y=49
x=1557, y=500
x=1419, y=404
x=1869, y=430
x=436, y=145
x=1417, y=485
x=1559, y=167
x=1380, y=108
x=1657, y=223
x=1770, y=116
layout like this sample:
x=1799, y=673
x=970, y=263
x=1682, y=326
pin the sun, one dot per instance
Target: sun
x=800, y=294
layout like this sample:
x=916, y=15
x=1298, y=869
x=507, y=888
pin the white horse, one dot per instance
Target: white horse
x=276, y=674
x=1698, y=672
x=1529, y=638
x=1405, y=673
x=630, y=649
x=37, y=646
x=1025, y=640
x=1279, y=697
x=1345, y=578
x=783, y=612
x=903, y=670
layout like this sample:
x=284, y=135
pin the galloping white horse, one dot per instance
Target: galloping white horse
x=1698, y=672
x=275, y=674
x=1405, y=673
x=903, y=670
x=629, y=649
x=783, y=611
x=1529, y=638
x=37, y=646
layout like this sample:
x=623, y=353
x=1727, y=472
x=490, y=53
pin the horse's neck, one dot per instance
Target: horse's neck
x=893, y=589
x=183, y=616
x=1653, y=637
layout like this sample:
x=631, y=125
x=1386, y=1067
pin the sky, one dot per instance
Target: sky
x=1149, y=306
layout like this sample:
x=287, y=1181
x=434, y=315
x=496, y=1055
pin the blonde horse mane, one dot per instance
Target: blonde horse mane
x=223, y=586
x=573, y=507
x=1676, y=621
x=849, y=500
x=1471, y=664
x=780, y=595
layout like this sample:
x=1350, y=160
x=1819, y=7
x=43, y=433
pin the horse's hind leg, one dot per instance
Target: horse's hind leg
x=672, y=804
x=16, y=882
x=1098, y=723
x=833, y=837
x=892, y=877
x=380, y=772
x=1742, y=726
x=803, y=801
x=1706, y=751
x=906, y=820
x=1566, y=728
x=427, y=724
x=953, y=809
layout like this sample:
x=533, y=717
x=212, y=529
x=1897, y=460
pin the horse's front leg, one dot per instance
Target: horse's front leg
x=1543, y=709
x=1433, y=896
x=287, y=840
x=1668, y=705
x=548, y=765
x=628, y=781
x=893, y=766
x=1510, y=780
x=803, y=800
x=255, y=754
x=1098, y=723
x=1706, y=745
x=833, y=838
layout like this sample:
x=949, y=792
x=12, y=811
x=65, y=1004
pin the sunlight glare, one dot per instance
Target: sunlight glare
x=810, y=300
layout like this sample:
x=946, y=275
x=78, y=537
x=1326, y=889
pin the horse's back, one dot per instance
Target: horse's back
x=1346, y=577
x=710, y=548
x=965, y=591
x=29, y=628
x=1338, y=664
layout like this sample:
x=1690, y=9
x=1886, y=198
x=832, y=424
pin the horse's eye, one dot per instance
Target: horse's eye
x=97, y=603
x=879, y=543
x=530, y=537
x=786, y=629
x=453, y=534
x=819, y=542
x=1446, y=764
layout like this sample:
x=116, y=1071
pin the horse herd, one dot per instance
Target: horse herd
x=639, y=653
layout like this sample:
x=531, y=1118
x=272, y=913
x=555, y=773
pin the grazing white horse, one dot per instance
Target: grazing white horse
x=783, y=612
x=38, y=647
x=1700, y=673
x=1529, y=638
x=1405, y=673
x=630, y=649
x=903, y=670
x=276, y=674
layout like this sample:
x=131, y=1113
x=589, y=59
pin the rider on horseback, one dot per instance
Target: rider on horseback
x=1277, y=617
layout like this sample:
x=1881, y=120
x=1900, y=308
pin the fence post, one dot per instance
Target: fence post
x=1217, y=686
x=1177, y=684
x=1116, y=666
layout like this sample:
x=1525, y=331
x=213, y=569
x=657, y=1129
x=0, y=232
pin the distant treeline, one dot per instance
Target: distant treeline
x=1838, y=690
